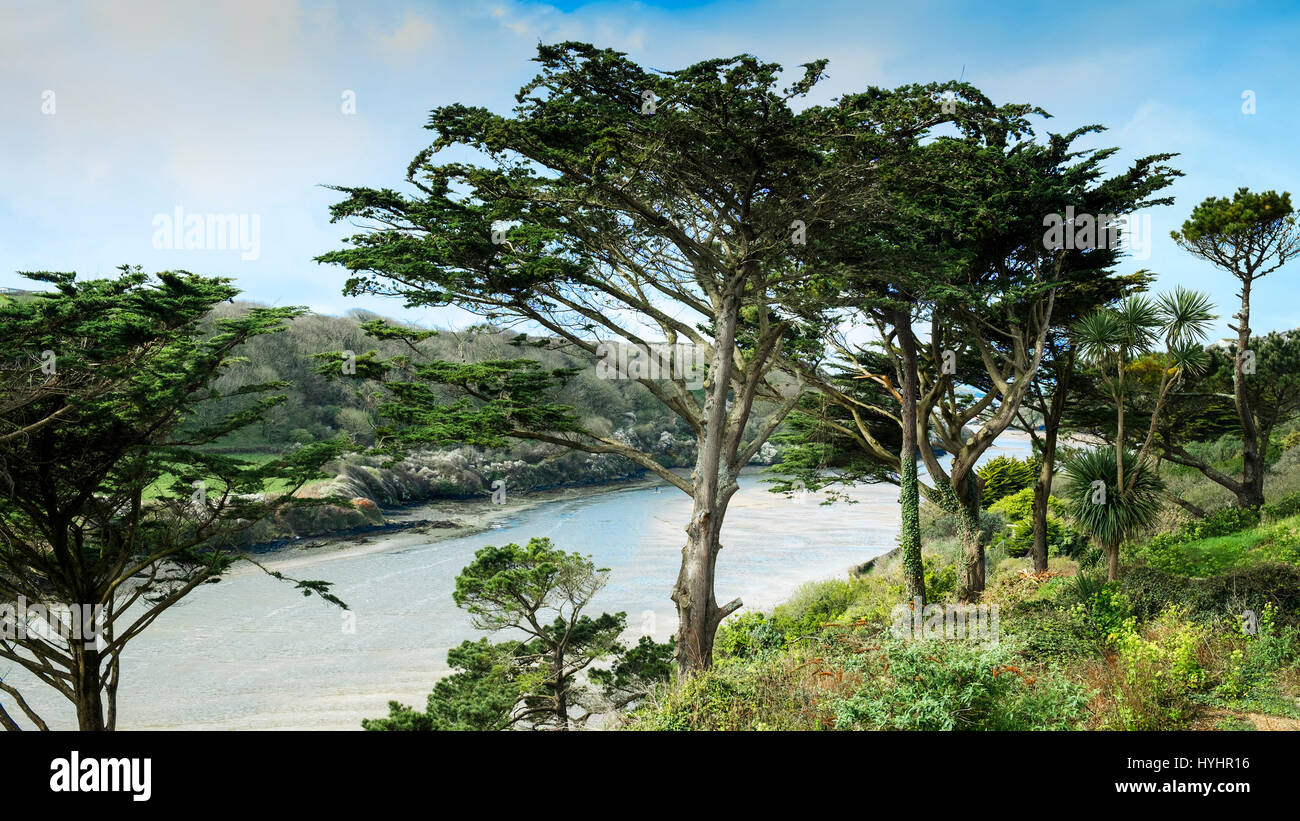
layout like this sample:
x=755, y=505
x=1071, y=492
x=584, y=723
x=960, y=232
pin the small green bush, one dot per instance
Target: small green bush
x=1158, y=673
x=958, y=685
x=1285, y=507
x=1150, y=590
x=1006, y=475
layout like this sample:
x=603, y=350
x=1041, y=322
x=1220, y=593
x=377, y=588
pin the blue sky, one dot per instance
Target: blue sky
x=237, y=108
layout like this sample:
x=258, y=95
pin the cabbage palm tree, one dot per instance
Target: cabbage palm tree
x=1111, y=339
x=1104, y=511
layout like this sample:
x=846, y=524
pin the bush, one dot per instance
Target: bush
x=957, y=685
x=739, y=696
x=1017, y=539
x=1150, y=591
x=1222, y=522
x=1284, y=508
x=1006, y=475
x=1049, y=633
x=1250, y=667
x=1156, y=674
x=1290, y=440
x=747, y=636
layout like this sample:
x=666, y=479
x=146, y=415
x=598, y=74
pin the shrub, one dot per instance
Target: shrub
x=1290, y=440
x=1222, y=522
x=739, y=696
x=1006, y=475
x=1268, y=649
x=748, y=635
x=1156, y=674
x=1150, y=591
x=957, y=685
x=1100, y=608
x=1285, y=507
x=1050, y=633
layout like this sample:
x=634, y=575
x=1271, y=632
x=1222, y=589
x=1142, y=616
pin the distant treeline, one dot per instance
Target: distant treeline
x=318, y=408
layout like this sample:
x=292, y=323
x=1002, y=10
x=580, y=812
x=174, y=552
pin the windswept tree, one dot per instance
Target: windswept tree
x=112, y=510
x=876, y=263
x=540, y=676
x=1249, y=236
x=979, y=269
x=1203, y=407
x=617, y=206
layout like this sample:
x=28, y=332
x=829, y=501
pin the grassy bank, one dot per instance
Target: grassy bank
x=1201, y=631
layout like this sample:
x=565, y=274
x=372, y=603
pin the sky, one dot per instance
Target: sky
x=120, y=117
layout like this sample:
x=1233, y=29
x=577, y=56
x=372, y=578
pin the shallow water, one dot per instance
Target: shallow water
x=248, y=653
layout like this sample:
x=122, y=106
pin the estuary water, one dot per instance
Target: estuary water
x=249, y=653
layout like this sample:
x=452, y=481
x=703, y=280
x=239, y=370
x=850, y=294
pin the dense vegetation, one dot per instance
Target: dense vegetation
x=1141, y=570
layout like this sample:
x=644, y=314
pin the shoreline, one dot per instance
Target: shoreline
x=425, y=523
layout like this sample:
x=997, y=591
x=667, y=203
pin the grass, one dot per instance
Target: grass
x=1277, y=541
x=163, y=485
x=1162, y=649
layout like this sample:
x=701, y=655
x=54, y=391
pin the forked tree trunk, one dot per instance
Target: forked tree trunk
x=698, y=614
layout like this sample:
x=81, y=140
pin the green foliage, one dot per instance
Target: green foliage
x=1222, y=220
x=731, y=696
x=1157, y=674
x=637, y=672
x=1217, y=597
x=1116, y=514
x=1222, y=522
x=1018, y=537
x=481, y=693
x=540, y=591
x=1283, y=508
x=1050, y=633
x=1290, y=440
x=1099, y=608
x=748, y=635
x=1228, y=538
x=940, y=578
x=1250, y=668
x=1005, y=476
x=957, y=685
x=112, y=489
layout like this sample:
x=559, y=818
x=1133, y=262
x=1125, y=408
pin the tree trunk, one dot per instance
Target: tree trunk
x=86, y=686
x=561, y=689
x=909, y=491
x=1042, y=491
x=1252, y=456
x=1043, y=487
x=1112, y=562
x=698, y=614
x=967, y=501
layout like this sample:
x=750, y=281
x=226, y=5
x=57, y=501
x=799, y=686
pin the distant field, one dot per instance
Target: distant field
x=160, y=487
